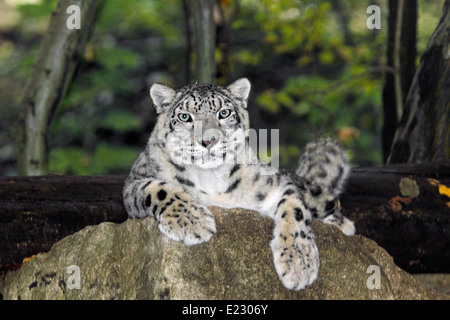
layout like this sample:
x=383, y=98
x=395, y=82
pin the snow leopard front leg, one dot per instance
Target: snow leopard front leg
x=278, y=194
x=178, y=216
x=296, y=257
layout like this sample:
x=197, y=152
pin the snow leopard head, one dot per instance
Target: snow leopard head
x=202, y=124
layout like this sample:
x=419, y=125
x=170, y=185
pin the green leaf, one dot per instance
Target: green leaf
x=326, y=57
x=302, y=108
x=285, y=99
x=267, y=101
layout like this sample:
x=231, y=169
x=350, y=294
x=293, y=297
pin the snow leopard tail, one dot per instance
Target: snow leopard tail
x=325, y=163
x=325, y=167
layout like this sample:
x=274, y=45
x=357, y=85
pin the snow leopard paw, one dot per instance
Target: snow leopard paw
x=296, y=259
x=187, y=222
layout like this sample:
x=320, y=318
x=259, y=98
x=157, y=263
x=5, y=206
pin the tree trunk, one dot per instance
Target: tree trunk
x=58, y=57
x=188, y=36
x=401, y=55
x=222, y=23
x=35, y=212
x=423, y=133
x=204, y=31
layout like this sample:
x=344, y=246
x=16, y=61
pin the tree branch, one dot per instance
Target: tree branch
x=204, y=30
x=397, y=65
x=423, y=132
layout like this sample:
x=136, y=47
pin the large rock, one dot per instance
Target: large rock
x=133, y=260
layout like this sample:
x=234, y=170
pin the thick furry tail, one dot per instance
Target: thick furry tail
x=325, y=167
x=325, y=163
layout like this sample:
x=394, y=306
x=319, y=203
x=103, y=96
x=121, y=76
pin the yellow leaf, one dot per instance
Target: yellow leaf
x=433, y=182
x=348, y=133
x=396, y=203
x=89, y=53
x=28, y=258
x=444, y=190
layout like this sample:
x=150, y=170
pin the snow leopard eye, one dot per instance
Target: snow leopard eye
x=225, y=113
x=185, y=117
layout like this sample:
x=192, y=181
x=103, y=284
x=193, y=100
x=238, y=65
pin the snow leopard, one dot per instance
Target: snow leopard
x=199, y=155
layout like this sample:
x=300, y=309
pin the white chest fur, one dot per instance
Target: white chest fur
x=209, y=181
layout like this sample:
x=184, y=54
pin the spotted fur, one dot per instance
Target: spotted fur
x=198, y=155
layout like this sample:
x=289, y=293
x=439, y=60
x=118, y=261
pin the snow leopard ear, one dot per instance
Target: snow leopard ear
x=240, y=88
x=161, y=96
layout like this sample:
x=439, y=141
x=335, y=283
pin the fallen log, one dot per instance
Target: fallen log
x=35, y=212
x=416, y=232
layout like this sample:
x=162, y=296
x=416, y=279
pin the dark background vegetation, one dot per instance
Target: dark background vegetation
x=315, y=68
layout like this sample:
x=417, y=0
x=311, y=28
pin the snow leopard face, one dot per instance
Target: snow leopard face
x=203, y=124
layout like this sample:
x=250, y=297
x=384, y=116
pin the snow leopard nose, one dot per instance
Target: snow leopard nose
x=209, y=143
x=207, y=132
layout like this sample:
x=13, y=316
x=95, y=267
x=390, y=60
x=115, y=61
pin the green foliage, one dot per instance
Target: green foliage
x=107, y=159
x=33, y=11
x=114, y=58
x=341, y=84
x=120, y=121
x=314, y=67
x=113, y=159
x=109, y=79
x=70, y=161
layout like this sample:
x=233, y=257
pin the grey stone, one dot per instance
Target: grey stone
x=439, y=282
x=133, y=260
